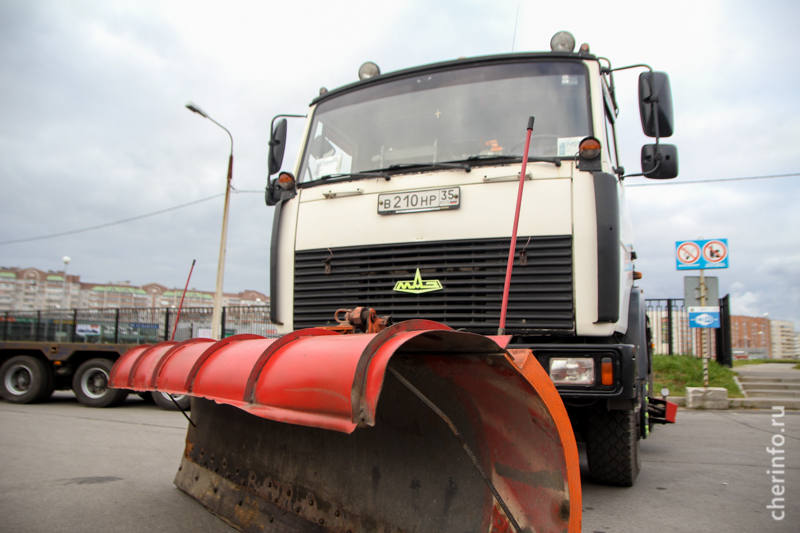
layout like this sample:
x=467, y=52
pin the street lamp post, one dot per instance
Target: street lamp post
x=216, y=317
x=64, y=295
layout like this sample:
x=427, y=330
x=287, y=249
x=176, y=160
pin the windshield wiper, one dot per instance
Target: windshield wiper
x=515, y=158
x=377, y=174
x=346, y=176
x=429, y=166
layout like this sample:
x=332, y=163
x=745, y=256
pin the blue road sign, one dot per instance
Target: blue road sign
x=703, y=317
x=697, y=255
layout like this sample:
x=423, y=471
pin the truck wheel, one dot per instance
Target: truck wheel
x=90, y=385
x=612, y=447
x=26, y=380
x=163, y=401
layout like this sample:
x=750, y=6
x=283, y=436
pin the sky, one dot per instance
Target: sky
x=93, y=127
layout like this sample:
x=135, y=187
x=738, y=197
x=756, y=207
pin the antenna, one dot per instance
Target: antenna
x=514, y=38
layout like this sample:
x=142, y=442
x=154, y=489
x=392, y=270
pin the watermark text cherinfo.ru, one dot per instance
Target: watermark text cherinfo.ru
x=778, y=465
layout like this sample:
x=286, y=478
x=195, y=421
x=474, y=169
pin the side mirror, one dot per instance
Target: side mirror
x=660, y=163
x=277, y=145
x=655, y=93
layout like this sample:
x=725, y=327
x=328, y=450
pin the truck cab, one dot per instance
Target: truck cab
x=402, y=199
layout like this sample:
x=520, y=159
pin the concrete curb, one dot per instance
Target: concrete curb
x=739, y=384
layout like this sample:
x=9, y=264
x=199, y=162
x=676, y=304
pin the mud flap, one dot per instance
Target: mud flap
x=314, y=431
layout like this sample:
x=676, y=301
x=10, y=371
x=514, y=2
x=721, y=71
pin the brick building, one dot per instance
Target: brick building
x=750, y=337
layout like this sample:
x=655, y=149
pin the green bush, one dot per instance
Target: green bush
x=676, y=372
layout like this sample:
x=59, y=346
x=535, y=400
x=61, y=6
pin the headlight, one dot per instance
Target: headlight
x=572, y=371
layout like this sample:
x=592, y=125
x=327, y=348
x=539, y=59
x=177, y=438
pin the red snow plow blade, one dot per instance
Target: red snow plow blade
x=417, y=428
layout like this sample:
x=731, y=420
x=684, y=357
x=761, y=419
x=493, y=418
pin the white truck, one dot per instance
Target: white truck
x=402, y=199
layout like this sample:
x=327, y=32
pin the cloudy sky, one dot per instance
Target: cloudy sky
x=93, y=127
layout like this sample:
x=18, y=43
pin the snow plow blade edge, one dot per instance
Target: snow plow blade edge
x=319, y=431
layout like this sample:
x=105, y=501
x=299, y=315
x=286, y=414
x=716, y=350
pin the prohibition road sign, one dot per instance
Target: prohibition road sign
x=688, y=253
x=715, y=251
x=698, y=255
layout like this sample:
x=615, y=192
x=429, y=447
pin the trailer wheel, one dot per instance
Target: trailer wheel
x=90, y=385
x=146, y=396
x=612, y=446
x=26, y=379
x=163, y=401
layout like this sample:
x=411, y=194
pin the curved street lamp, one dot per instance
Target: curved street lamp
x=216, y=317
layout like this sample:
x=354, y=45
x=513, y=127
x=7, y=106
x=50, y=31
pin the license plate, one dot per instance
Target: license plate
x=416, y=201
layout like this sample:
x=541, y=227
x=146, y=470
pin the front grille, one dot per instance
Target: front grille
x=471, y=272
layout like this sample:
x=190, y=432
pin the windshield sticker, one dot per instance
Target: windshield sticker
x=327, y=165
x=493, y=146
x=568, y=146
x=566, y=79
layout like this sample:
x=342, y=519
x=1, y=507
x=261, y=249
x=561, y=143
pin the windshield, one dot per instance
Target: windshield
x=452, y=115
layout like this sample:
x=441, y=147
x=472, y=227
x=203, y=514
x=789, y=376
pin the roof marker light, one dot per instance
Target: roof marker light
x=368, y=70
x=562, y=41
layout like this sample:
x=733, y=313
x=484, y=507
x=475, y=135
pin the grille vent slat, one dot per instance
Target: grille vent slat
x=471, y=272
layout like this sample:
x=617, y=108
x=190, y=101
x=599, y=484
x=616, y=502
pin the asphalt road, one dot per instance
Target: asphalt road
x=68, y=468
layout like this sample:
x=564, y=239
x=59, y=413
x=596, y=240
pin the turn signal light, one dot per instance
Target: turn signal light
x=286, y=180
x=606, y=371
x=589, y=148
x=637, y=275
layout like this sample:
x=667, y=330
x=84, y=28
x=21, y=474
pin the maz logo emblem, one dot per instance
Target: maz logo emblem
x=418, y=286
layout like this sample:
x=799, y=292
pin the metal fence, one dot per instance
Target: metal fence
x=669, y=322
x=668, y=317
x=131, y=326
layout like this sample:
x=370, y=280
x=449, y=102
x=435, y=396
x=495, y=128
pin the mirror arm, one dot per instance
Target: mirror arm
x=640, y=65
x=272, y=125
x=657, y=157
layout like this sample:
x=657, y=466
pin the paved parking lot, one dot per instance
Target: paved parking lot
x=67, y=468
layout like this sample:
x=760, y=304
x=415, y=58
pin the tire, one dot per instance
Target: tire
x=26, y=379
x=90, y=385
x=612, y=446
x=163, y=401
x=146, y=396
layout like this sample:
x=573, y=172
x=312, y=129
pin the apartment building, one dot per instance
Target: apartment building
x=784, y=340
x=34, y=289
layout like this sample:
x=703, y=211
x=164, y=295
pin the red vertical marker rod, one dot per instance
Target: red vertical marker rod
x=512, y=249
x=175, y=328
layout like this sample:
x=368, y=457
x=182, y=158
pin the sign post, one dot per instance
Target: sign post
x=700, y=255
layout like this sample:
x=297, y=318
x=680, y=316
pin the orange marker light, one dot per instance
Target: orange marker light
x=589, y=148
x=286, y=180
x=607, y=371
